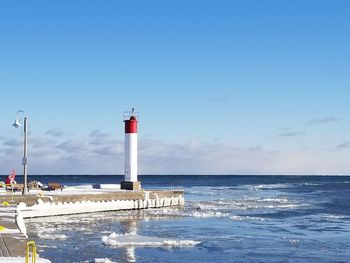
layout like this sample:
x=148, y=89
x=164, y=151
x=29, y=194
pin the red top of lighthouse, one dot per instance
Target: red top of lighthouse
x=131, y=125
x=130, y=122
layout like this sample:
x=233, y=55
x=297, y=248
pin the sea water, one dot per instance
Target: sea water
x=225, y=219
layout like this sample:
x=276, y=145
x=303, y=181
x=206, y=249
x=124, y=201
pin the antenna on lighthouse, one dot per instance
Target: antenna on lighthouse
x=130, y=168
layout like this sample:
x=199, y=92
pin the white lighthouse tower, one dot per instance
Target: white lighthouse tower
x=130, y=169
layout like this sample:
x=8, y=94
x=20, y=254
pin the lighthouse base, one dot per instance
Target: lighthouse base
x=130, y=185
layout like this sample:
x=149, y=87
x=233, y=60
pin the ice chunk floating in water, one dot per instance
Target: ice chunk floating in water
x=122, y=240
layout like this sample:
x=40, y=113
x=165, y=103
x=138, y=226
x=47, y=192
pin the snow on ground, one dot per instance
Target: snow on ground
x=21, y=260
x=10, y=231
x=78, y=189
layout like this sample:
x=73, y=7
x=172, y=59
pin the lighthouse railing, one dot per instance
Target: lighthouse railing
x=128, y=114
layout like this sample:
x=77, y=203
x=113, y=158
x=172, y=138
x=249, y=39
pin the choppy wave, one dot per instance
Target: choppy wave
x=131, y=239
x=224, y=208
x=202, y=191
x=271, y=186
x=220, y=190
x=242, y=218
x=209, y=214
x=244, y=204
x=47, y=246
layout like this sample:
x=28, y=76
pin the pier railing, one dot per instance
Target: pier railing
x=31, y=251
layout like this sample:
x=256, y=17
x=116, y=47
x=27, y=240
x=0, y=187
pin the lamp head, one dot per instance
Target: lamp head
x=16, y=124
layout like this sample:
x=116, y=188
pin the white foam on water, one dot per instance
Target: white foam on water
x=242, y=218
x=131, y=239
x=104, y=260
x=52, y=236
x=329, y=217
x=294, y=241
x=270, y=186
x=158, y=214
x=244, y=204
x=47, y=246
x=199, y=192
x=199, y=211
x=311, y=184
x=334, y=216
x=209, y=214
x=278, y=203
x=277, y=200
x=165, y=211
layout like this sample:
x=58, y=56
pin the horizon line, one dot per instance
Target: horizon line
x=82, y=174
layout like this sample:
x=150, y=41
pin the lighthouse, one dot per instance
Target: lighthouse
x=130, y=166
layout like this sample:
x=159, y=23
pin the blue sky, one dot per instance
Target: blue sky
x=222, y=87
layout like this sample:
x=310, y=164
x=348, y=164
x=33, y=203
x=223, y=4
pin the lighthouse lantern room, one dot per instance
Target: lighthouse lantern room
x=130, y=168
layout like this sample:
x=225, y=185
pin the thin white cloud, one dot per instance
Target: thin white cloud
x=35, y=142
x=285, y=128
x=324, y=120
x=11, y=151
x=74, y=145
x=55, y=132
x=108, y=150
x=344, y=145
x=98, y=134
x=222, y=98
x=12, y=142
x=290, y=134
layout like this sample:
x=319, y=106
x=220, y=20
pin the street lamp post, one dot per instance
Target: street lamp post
x=25, y=151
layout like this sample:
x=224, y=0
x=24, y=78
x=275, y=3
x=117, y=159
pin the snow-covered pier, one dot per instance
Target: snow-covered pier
x=96, y=200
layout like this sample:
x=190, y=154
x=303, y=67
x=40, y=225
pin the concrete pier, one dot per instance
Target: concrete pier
x=52, y=204
x=68, y=195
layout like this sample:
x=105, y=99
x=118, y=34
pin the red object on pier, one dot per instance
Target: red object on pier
x=11, y=178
